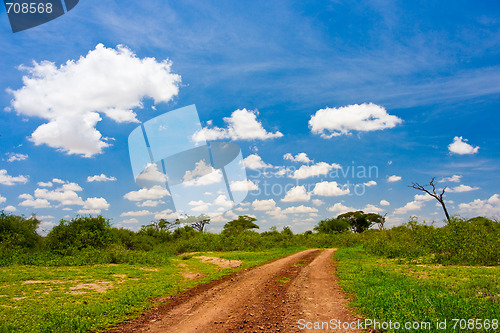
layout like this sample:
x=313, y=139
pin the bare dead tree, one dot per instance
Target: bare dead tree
x=382, y=222
x=432, y=192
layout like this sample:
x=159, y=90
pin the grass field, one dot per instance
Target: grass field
x=389, y=290
x=83, y=298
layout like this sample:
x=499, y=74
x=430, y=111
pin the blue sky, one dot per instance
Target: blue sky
x=408, y=89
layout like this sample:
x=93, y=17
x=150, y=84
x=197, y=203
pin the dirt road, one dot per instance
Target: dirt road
x=280, y=296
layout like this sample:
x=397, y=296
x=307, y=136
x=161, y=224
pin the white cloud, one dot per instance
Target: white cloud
x=96, y=203
x=6, y=179
x=89, y=211
x=299, y=210
x=241, y=125
x=167, y=214
x=254, y=161
x=203, y=174
x=463, y=188
x=410, y=206
x=155, y=192
x=393, y=179
x=330, y=122
x=453, y=179
x=65, y=195
x=10, y=209
x=318, y=169
x=130, y=221
x=340, y=208
x=264, y=205
x=384, y=203
x=329, y=189
x=478, y=207
x=300, y=157
x=42, y=184
x=296, y=194
x=137, y=213
x=73, y=97
x=318, y=202
x=422, y=197
x=35, y=203
x=152, y=174
x=150, y=203
x=200, y=206
x=372, y=209
x=58, y=181
x=370, y=183
x=16, y=157
x=2, y=199
x=241, y=185
x=100, y=178
x=461, y=147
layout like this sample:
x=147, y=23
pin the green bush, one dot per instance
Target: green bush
x=82, y=232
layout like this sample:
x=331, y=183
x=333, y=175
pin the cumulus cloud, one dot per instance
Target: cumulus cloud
x=100, y=178
x=340, y=208
x=318, y=169
x=6, y=179
x=461, y=147
x=44, y=184
x=74, y=96
x=478, y=207
x=203, y=174
x=254, y=162
x=299, y=210
x=16, y=157
x=372, y=209
x=241, y=125
x=10, y=209
x=32, y=202
x=137, y=213
x=393, y=179
x=167, y=214
x=453, y=179
x=370, y=183
x=264, y=205
x=417, y=204
x=150, y=203
x=66, y=194
x=329, y=189
x=153, y=193
x=296, y=194
x=2, y=199
x=243, y=185
x=330, y=122
x=96, y=204
x=318, y=202
x=462, y=188
x=384, y=203
x=300, y=157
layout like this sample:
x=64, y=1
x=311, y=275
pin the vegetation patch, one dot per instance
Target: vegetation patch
x=390, y=290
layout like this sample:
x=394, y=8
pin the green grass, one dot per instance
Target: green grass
x=89, y=298
x=388, y=290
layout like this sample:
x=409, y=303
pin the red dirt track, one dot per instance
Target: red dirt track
x=269, y=298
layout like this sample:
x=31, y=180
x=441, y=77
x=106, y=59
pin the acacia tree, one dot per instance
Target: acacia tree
x=432, y=192
x=242, y=223
x=196, y=222
x=361, y=221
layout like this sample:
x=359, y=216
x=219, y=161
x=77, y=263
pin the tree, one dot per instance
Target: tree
x=360, y=221
x=163, y=225
x=196, y=222
x=432, y=192
x=17, y=231
x=332, y=225
x=244, y=222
